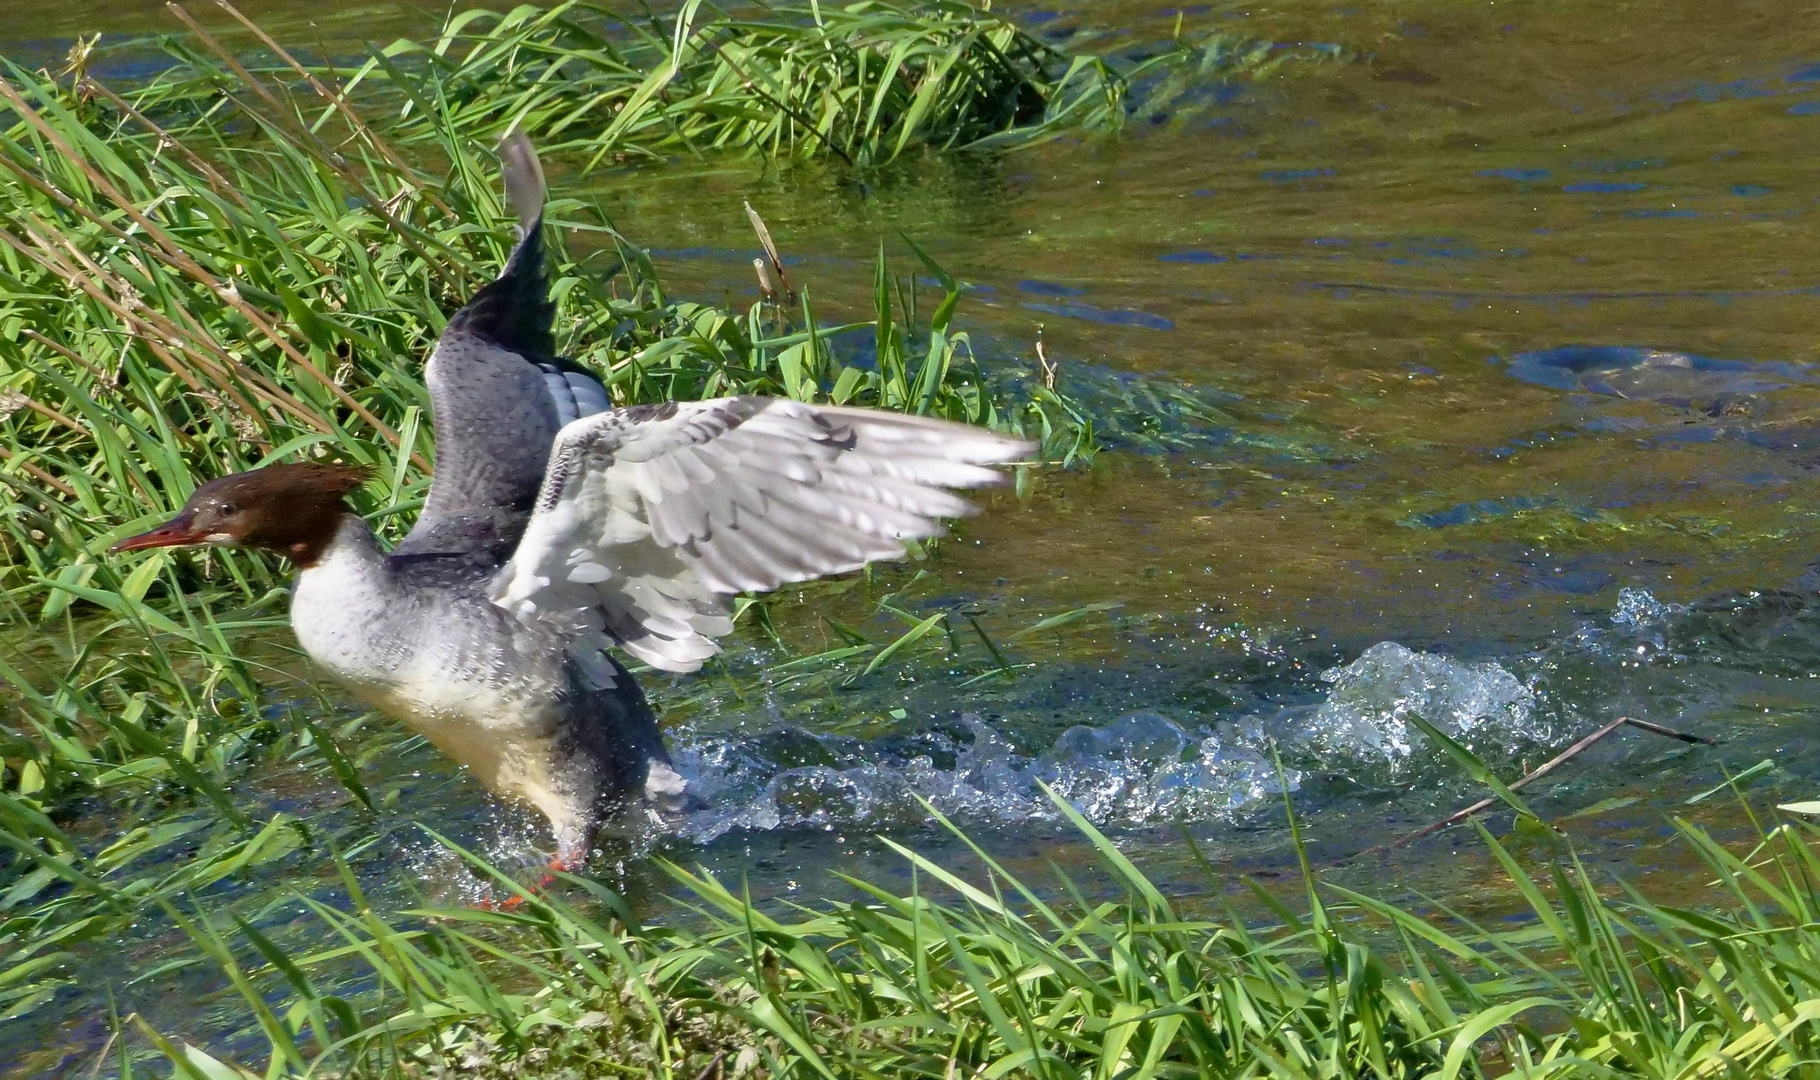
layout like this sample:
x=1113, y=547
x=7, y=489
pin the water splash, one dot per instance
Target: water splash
x=1145, y=768
x=1366, y=716
x=1140, y=769
x=1637, y=611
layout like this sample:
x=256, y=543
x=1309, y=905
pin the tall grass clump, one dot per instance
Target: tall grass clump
x=182, y=301
x=862, y=82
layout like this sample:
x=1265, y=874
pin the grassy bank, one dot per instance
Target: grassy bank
x=862, y=83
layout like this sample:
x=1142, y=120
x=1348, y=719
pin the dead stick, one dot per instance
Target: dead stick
x=1539, y=772
x=788, y=290
x=712, y=1066
x=1670, y=732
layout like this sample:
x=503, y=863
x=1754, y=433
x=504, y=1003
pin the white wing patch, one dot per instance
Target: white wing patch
x=574, y=394
x=651, y=517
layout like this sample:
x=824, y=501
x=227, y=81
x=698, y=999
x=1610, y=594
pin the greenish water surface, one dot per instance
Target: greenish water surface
x=1512, y=312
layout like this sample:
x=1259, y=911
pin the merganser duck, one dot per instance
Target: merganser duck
x=558, y=526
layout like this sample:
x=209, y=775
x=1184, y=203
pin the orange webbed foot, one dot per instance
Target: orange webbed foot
x=561, y=864
x=488, y=903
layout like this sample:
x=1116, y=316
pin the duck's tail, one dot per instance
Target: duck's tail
x=515, y=311
x=523, y=177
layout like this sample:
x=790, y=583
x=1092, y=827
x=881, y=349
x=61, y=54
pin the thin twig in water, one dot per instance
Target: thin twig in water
x=1540, y=771
x=101, y=1057
x=784, y=288
x=1049, y=367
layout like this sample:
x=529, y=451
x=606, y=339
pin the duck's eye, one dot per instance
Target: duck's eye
x=227, y=509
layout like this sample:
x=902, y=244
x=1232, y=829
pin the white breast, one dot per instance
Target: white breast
x=479, y=685
x=345, y=610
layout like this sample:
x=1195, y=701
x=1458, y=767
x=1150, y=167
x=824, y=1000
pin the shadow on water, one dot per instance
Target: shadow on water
x=1452, y=309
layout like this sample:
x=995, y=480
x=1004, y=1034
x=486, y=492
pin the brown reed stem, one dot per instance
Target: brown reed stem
x=1539, y=772
x=340, y=102
x=180, y=259
x=36, y=473
x=329, y=155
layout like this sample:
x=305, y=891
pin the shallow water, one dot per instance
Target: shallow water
x=1510, y=319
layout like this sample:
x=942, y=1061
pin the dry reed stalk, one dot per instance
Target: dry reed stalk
x=52, y=414
x=217, y=183
x=140, y=323
x=180, y=259
x=329, y=155
x=372, y=138
x=69, y=354
x=104, y=379
x=36, y=473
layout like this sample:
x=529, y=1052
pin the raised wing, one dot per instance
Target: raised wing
x=652, y=516
x=498, y=396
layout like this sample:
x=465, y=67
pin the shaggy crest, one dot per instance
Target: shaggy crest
x=293, y=508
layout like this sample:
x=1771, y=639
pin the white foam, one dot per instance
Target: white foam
x=1366, y=716
x=1140, y=769
x=1637, y=610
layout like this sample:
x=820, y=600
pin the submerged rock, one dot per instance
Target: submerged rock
x=1656, y=375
